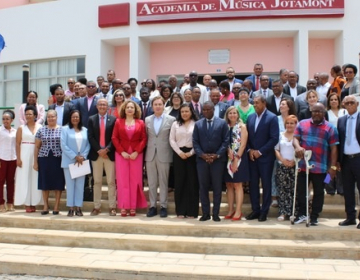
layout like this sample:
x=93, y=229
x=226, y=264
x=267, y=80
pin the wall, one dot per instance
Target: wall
x=12, y=3
x=182, y=57
x=122, y=62
x=321, y=52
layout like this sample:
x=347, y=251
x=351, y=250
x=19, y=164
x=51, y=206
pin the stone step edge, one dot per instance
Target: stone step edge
x=327, y=230
x=179, y=244
x=277, y=268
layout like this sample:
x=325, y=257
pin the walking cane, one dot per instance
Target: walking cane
x=307, y=157
x=292, y=218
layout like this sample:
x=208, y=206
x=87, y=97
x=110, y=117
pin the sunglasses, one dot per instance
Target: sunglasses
x=350, y=103
x=117, y=95
x=70, y=83
x=90, y=86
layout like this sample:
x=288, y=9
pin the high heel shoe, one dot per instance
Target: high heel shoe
x=132, y=213
x=237, y=218
x=123, y=213
x=78, y=212
x=70, y=213
x=228, y=217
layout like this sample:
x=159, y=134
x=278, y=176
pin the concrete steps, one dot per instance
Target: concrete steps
x=106, y=247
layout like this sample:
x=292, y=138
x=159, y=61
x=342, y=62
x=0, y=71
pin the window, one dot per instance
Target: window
x=43, y=73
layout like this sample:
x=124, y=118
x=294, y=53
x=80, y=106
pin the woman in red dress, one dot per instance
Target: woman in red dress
x=129, y=139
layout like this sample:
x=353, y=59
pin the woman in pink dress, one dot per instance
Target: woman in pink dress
x=129, y=139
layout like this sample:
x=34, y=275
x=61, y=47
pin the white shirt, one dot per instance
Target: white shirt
x=293, y=91
x=217, y=110
x=8, y=143
x=277, y=101
x=323, y=89
x=285, y=147
x=258, y=119
x=79, y=139
x=354, y=147
x=60, y=113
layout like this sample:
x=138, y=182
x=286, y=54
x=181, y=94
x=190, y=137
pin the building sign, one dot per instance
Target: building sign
x=187, y=10
x=219, y=56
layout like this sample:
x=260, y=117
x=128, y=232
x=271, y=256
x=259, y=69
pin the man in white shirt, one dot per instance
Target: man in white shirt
x=324, y=84
x=264, y=87
x=105, y=88
x=193, y=82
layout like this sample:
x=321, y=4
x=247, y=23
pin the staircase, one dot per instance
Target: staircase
x=104, y=247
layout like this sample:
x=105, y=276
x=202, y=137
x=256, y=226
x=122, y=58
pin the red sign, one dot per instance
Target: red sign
x=114, y=15
x=187, y=10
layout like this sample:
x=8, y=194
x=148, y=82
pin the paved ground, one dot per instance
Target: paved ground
x=31, y=277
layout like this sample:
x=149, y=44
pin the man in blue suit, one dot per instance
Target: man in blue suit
x=219, y=107
x=210, y=141
x=87, y=105
x=145, y=104
x=263, y=129
x=255, y=78
x=230, y=74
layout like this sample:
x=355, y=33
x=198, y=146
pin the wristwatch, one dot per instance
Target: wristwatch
x=333, y=167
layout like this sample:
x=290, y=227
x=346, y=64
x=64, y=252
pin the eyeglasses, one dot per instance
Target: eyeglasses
x=349, y=103
x=117, y=95
x=192, y=75
x=349, y=72
x=90, y=86
x=70, y=83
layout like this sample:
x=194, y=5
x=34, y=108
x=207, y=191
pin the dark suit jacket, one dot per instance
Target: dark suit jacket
x=306, y=114
x=82, y=105
x=149, y=110
x=68, y=107
x=266, y=136
x=94, y=136
x=200, y=116
x=216, y=143
x=300, y=89
x=222, y=109
x=342, y=121
x=271, y=104
x=235, y=81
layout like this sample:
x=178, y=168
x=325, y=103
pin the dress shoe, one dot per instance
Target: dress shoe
x=228, y=217
x=252, y=216
x=70, y=213
x=163, y=212
x=348, y=222
x=78, y=212
x=152, y=212
x=95, y=212
x=216, y=218
x=358, y=226
x=44, y=212
x=204, y=218
x=112, y=212
x=262, y=217
x=55, y=212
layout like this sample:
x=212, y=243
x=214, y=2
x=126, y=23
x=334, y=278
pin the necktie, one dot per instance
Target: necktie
x=144, y=110
x=102, y=132
x=349, y=131
x=264, y=92
x=257, y=85
x=210, y=127
x=197, y=109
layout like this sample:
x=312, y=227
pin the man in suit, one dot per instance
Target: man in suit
x=349, y=157
x=255, y=78
x=249, y=85
x=230, y=74
x=102, y=155
x=236, y=91
x=219, y=107
x=87, y=105
x=128, y=95
x=273, y=101
x=173, y=83
x=292, y=88
x=321, y=137
x=61, y=107
x=263, y=129
x=300, y=101
x=195, y=101
x=159, y=155
x=210, y=141
x=145, y=104
x=284, y=75
x=105, y=88
x=264, y=87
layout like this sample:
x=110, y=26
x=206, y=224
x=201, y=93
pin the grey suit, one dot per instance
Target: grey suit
x=269, y=92
x=159, y=156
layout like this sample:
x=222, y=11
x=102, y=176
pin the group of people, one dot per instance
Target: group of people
x=194, y=138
